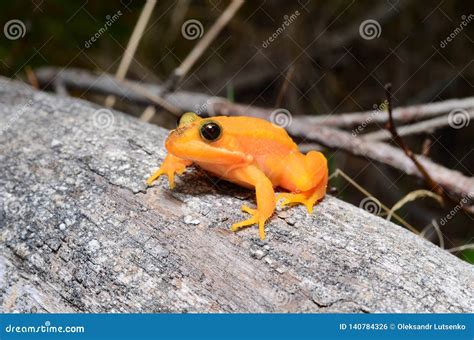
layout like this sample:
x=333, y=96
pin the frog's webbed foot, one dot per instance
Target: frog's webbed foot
x=171, y=165
x=307, y=198
x=286, y=198
x=255, y=219
x=167, y=172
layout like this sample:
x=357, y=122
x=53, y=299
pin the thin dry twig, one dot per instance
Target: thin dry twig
x=177, y=17
x=434, y=186
x=411, y=197
x=202, y=45
x=339, y=172
x=284, y=86
x=148, y=114
x=439, y=233
x=31, y=77
x=461, y=248
x=426, y=147
x=132, y=46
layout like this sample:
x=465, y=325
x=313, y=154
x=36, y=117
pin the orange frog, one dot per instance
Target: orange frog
x=252, y=153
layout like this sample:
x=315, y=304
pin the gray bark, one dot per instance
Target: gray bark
x=81, y=233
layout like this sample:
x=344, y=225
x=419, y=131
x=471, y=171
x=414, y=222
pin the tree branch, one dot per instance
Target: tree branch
x=425, y=126
x=306, y=127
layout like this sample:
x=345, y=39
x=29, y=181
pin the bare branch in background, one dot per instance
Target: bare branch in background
x=426, y=126
x=192, y=101
x=451, y=180
x=155, y=99
x=59, y=88
x=400, y=114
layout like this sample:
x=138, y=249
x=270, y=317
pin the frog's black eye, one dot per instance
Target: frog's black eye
x=210, y=131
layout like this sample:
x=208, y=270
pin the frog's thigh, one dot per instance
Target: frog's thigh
x=253, y=176
x=303, y=172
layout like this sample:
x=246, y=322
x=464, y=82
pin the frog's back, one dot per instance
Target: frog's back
x=257, y=136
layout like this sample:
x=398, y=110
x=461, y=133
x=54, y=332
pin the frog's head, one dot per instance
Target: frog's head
x=194, y=137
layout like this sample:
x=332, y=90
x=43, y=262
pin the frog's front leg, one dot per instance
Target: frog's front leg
x=170, y=166
x=253, y=176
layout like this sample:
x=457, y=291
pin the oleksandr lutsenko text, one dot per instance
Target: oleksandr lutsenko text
x=431, y=326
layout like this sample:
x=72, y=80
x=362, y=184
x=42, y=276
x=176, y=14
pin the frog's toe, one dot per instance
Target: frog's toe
x=250, y=221
x=282, y=200
x=154, y=177
x=170, y=175
x=287, y=198
x=255, y=219
x=240, y=225
x=248, y=210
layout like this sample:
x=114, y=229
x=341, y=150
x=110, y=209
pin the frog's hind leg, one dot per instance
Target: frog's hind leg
x=251, y=175
x=308, y=198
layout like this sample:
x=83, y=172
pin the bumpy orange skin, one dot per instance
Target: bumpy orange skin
x=252, y=153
